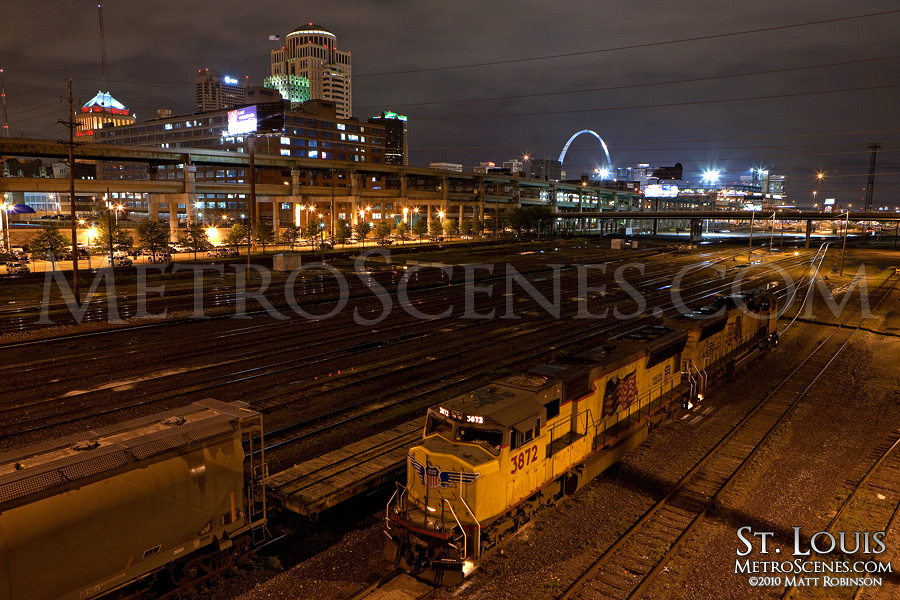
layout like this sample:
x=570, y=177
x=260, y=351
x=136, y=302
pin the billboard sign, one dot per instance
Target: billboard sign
x=661, y=191
x=242, y=120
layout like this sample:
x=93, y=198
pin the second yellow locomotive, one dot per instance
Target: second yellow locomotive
x=492, y=457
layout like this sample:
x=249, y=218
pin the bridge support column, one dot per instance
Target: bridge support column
x=153, y=207
x=172, y=203
x=808, y=232
x=190, y=189
x=696, y=230
x=276, y=217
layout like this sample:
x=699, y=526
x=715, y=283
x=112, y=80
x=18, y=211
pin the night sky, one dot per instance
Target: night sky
x=798, y=87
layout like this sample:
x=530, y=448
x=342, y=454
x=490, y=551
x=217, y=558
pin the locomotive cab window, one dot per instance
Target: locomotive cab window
x=437, y=425
x=489, y=439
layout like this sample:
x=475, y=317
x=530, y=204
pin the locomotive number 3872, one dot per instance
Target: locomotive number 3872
x=523, y=459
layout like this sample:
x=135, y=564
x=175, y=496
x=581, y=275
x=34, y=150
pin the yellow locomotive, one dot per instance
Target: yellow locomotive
x=492, y=457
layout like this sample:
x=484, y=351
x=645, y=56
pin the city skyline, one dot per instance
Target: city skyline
x=781, y=87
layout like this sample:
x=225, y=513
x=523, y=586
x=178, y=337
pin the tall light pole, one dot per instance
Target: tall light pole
x=752, y=220
x=772, y=234
x=844, y=245
x=4, y=224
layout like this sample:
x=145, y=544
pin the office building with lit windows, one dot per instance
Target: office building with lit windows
x=215, y=91
x=312, y=130
x=310, y=52
x=396, y=145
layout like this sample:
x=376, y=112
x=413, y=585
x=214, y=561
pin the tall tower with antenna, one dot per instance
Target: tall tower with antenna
x=105, y=73
x=102, y=110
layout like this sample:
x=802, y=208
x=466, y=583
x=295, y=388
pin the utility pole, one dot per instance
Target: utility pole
x=5, y=117
x=251, y=210
x=71, y=124
x=844, y=245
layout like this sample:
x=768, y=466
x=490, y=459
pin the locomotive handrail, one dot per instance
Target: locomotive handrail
x=477, y=522
x=461, y=528
x=387, y=510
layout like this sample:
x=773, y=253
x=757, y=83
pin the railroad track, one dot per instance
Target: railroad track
x=630, y=565
x=291, y=393
x=874, y=501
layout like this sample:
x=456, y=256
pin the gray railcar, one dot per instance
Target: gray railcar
x=165, y=494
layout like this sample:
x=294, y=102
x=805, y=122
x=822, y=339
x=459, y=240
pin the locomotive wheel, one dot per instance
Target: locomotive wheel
x=184, y=572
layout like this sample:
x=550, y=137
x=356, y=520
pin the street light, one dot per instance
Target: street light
x=4, y=206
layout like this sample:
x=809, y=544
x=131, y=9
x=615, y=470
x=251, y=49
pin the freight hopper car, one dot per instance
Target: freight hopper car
x=165, y=495
x=492, y=457
x=725, y=335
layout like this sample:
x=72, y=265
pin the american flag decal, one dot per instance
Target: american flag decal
x=433, y=477
x=620, y=393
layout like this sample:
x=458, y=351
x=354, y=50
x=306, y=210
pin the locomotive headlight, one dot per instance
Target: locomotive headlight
x=700, y=397
x=431, y=509
x=468, y=567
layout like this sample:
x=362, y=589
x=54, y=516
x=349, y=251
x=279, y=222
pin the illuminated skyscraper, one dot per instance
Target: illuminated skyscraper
x=101, y=111
x=396, y=146
x=215, y=91
x=310, y=52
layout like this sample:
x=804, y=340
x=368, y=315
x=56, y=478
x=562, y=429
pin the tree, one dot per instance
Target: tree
x=478, y=226
x=237, y=235
x=401, y=231
x=420, y=228
x=519, y=219
x=49, y=241
x=435, y=228
x=383, y=230
x=154, y=236
x=195, y=237
x=450, y=227
x=290, y=235
x=342, y=231
x=541, y=217
x=362, y=229
x=465, y=226
x=265, y=234
x=120, y=237
x=314, y=229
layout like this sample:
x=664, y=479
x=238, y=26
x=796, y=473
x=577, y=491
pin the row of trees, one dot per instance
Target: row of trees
x=154, y=235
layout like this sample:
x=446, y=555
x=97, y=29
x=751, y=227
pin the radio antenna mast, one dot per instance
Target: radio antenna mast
x=103, y=48
x=5, y=117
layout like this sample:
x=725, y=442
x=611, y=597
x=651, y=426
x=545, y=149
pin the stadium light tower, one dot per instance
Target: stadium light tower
x=711, y=176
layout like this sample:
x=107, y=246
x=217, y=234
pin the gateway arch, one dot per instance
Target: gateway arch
x=562, y=155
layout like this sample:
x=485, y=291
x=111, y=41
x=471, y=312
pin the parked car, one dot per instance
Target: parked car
x=122, y=261
x=16, y=268
x=223, y=252
x=161, y=257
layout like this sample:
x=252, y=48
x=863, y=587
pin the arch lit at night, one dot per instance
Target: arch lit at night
x=565, y=149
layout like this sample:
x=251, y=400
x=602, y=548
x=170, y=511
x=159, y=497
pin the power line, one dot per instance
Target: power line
x=633, y=46
x=635, y=85
x=660, y=105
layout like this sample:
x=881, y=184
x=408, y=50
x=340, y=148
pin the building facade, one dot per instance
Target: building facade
x=310, y=52
x=312, y=130
x=101, y=111
x=396, y=144
x=215, y=91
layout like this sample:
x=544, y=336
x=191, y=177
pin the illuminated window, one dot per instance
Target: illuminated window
x=286, y=141
x=314, y=154
x=285, y=151
x=341, y=127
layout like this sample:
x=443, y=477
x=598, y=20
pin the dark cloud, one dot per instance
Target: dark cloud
x=547, y=71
